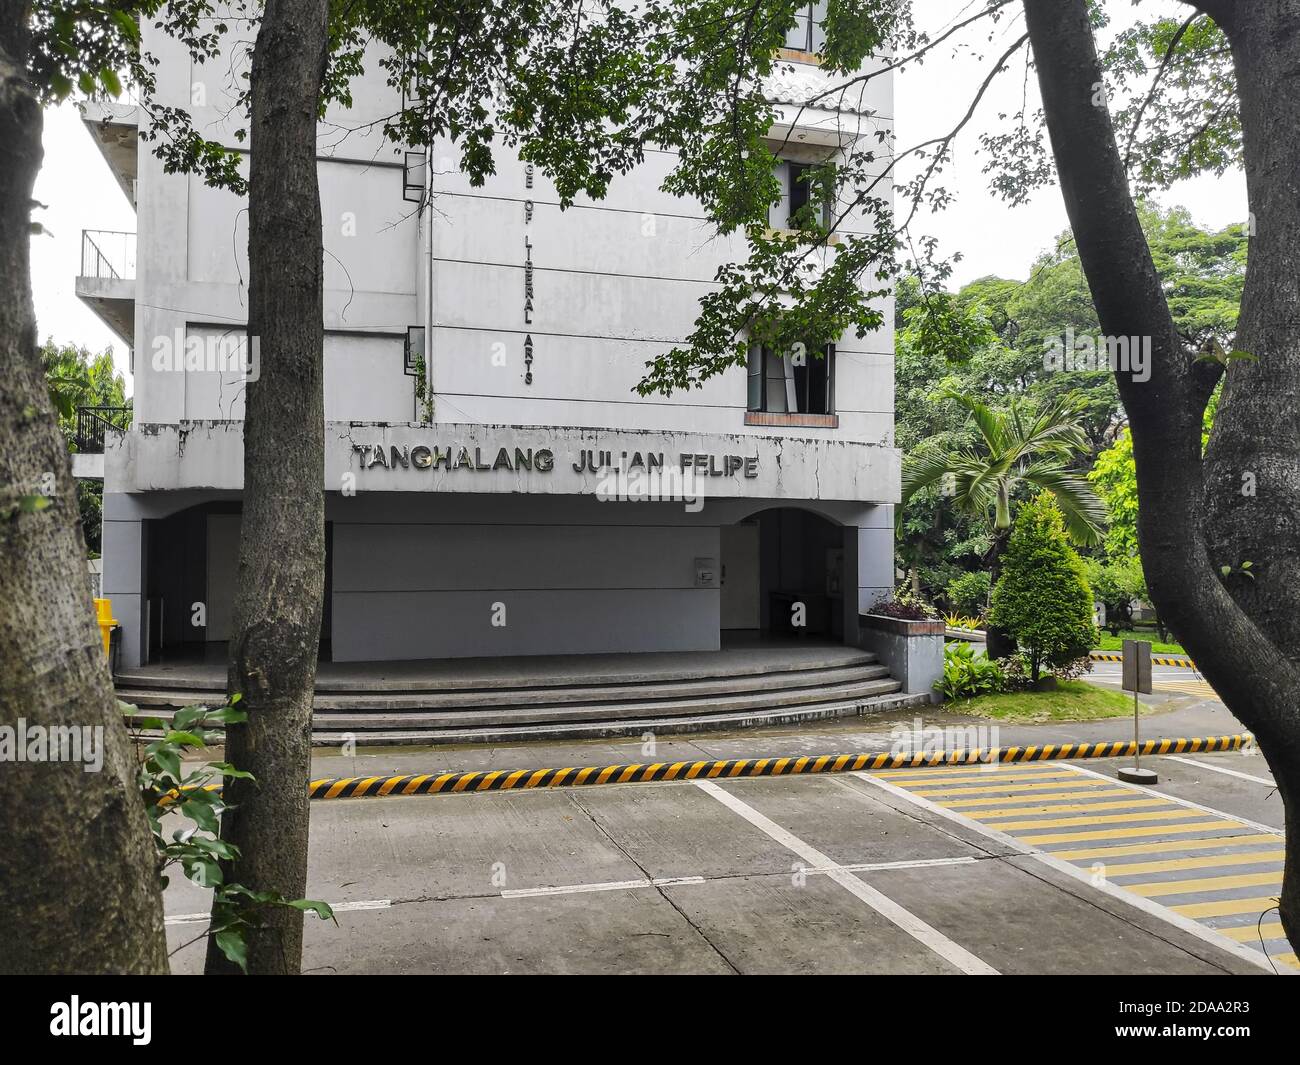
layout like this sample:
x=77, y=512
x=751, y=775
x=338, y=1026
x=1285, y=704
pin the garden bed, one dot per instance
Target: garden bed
x=1072, y=700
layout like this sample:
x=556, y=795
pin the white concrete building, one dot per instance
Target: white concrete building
x=473, y=520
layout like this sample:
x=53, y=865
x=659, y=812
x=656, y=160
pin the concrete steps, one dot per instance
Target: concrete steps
x=163, y=698
x=660, y=726
x=442, y=710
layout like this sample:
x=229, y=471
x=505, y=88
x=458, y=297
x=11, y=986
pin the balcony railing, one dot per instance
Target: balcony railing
x=108, y=254
x=92, y=422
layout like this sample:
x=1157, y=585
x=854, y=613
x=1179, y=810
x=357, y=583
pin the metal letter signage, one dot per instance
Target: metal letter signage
x=486, y=458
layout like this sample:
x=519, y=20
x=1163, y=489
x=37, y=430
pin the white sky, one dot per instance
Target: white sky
x=994, y=238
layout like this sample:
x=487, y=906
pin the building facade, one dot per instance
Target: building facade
x=487, y=458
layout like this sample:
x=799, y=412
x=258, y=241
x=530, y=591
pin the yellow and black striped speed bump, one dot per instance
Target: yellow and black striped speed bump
x=1156, y=660
x=737, y=768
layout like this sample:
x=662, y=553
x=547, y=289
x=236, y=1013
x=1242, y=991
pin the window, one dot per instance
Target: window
x=807, y=35
x=796, y=192
x=786, y=384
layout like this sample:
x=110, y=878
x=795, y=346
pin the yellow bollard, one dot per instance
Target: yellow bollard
x=104, y=617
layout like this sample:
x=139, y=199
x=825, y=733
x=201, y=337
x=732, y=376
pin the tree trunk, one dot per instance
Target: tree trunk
x=998, y=642
x=1252, y=673
x=282, y=537
x=79, y=889
x=1252, y=467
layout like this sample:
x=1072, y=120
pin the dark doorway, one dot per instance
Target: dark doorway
x=796, y=584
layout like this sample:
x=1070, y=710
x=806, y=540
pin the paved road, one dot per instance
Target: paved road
x=1019, y=869
x=1165, y=680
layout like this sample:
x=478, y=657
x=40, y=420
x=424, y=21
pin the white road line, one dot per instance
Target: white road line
x=1220, y=769
x=337, y=907
x=1106, y=887
x=1257, y=825
x=608, y=885
x=882, y=904
x=679, y=881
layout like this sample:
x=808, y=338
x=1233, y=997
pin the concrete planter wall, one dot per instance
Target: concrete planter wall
x=913, y=650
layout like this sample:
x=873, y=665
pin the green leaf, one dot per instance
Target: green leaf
x=201, y=814
x=1226, y=570
x=231, y=944
x=231, y=772
x=226, y=715
x=109, y=79
x=187, y=716
x=130, y=29
x=320, y=909
x=168, y=762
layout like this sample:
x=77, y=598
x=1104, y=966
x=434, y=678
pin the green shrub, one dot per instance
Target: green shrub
x=967, y=674
x=1042, y=597
x=969, y=593
x=1117, y=582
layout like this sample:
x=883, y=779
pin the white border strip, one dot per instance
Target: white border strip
x=951, y=952
x=608, y=885
x=337, y=907
x=1105, y=886
x=1220, y=769
x=680, y=881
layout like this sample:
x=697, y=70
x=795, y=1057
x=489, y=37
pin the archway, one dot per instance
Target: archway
x=783, y=575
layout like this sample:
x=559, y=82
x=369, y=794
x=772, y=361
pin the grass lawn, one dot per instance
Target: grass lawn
x=1073, y=700
x=1116, y=643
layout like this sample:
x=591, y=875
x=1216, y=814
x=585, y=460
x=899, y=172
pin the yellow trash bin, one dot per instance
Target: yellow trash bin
x=104, y=617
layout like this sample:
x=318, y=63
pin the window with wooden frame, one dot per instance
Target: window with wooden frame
x=792, y=384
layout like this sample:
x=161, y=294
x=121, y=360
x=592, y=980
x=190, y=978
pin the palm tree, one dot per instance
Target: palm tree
x=1023, y=444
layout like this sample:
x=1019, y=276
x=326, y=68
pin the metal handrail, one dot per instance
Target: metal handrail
x=92, y=422
x=108, y=254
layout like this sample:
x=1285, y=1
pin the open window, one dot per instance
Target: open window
x=799, y=382
x=797, y=192
x=807, y=34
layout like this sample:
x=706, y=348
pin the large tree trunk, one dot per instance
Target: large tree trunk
x=1243, y=655
x=282, y=538
x=1253, y=464
x=79, y=883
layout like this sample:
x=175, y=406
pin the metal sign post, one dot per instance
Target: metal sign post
x=1137, y=678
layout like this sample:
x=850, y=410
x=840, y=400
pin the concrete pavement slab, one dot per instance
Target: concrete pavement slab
x=1051, y=927
x=676, y=830
x=849, y=825
x=468, y=845
x=772, y=924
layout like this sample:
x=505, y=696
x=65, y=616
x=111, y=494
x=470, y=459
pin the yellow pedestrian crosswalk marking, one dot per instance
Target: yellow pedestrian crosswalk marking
x=1074, y=807
x=1084, y=788
x=971, y=773
x=993, y=800
x=1164, y=847
x=1127, y=833
x=1253, y=933
x=1225, y=908
x=1180, y=814
x=992, y=776
x=1205, y=883
x=1203, y=861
